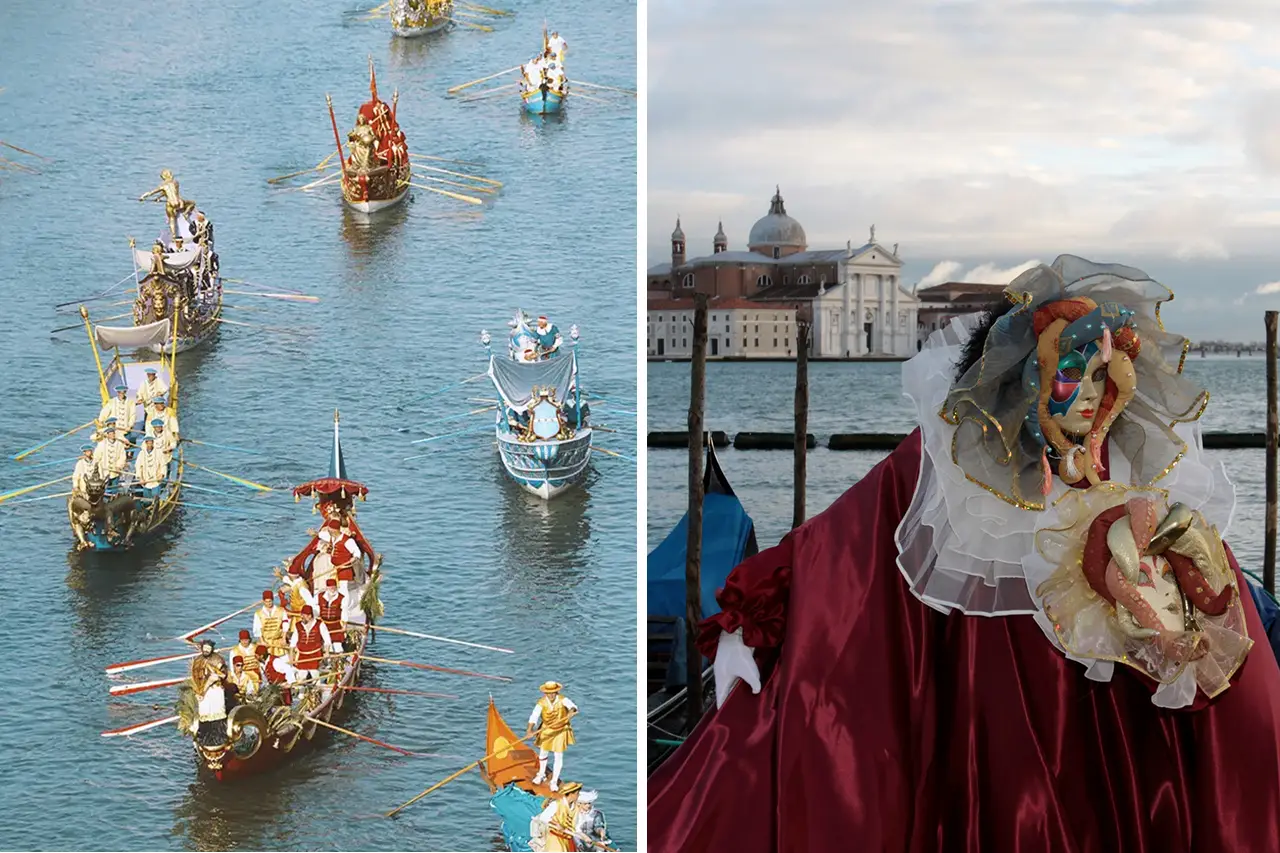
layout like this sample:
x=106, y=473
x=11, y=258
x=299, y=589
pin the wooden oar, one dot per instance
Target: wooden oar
x=362, y=737
x=450, y=778
x=42, y=498
x=473, y=26
x=498, y=12
x=30, y=450
x=481, y=80
x=397, y=692
x=25, y=151
x=258, y=326
x=239, y=480
x=215, y=623
x=292, y=297
x=127, y=689
x=118, y=668
x=457, y=184
x=442, y=639
x=325, y=181
x=607, y=88
x=320, y=168
x=589, y=98
x=613, y=453
x=261, y=286
x=140, y=727
x=467, y=431
x=435, y=668
x=443, y=160
x=466, y=198
x=486, y=94
x=19, y=492
x=241, y=449
x=476, y=178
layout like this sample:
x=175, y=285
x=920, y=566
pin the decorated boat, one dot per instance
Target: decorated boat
x=375, y=167
x=414, y=18
x=544, y=85
x=728, y=538
x=109, y=508
x=280, y=720
x=178, y=275
x=543, y=427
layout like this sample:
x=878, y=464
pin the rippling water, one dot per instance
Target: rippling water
x=229, y=94
x=867, y=397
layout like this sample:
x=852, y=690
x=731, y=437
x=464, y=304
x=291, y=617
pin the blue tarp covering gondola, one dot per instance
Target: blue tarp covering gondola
x=515, y=808
x=1268, y=611
x=728, y=537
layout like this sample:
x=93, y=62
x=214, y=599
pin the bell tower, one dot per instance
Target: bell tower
x=677, y=247
x=721, y=242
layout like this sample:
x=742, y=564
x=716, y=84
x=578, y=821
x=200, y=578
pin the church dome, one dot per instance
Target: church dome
x=776, y=229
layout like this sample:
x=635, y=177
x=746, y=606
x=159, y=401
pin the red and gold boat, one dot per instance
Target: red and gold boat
x=375, y=165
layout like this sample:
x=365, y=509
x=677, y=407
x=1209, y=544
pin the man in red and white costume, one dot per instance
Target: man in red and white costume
x=276, y=670
x=308, y=640
x=329, y=604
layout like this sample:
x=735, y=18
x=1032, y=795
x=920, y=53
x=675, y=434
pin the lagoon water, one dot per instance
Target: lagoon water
x=227, y=95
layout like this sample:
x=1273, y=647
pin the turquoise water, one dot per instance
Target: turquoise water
x=227, y=95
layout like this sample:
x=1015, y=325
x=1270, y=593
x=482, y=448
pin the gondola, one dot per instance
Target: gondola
x=264, y=732
x=542, y=426
x=416, y=18
x=115, y=515
x=728, y=538
x=375, y=169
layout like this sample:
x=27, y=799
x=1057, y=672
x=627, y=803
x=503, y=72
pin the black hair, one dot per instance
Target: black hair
x=973, y=347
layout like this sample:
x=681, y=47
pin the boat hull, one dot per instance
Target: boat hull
x=547, y=469
x=406, y=31
x=538, y=102
x=101, y=539
x=375, y=205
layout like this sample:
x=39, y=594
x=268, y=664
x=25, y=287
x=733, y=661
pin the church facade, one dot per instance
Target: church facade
x=852, y=297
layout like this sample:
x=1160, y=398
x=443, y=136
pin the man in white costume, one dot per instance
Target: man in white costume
x=165, y=441
x=84, y=465
x=151, y=388
x=151, y=467
x=589, y=823
x=119, y=407
x=551, y=716
x=558, y=46
x=161, y=412
x=110, y=455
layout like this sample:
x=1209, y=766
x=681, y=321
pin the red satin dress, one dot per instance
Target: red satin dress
x=884, y=725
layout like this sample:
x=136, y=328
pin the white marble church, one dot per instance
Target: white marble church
x=854, y=296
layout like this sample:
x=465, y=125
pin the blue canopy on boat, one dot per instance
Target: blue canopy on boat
x=1269, y=611
x=516, y=808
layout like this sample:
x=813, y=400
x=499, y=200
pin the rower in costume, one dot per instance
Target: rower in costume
x=309, y=639
x=119, y=410
x=161, y=412
x=589, y=822
x=151, y=388
x=554, y=712
x=110, y=455
x=329, y=608
x=151, y=468
x=271, y=625
x=166, y=442
x=246, y=681
x=973, y=647
x=553, y=830
x=84, y=466
x=246, y=649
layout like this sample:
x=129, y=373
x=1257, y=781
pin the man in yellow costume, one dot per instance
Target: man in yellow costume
x=271, y=626
x=554, y=830
x=554, y=712
x=174, y=203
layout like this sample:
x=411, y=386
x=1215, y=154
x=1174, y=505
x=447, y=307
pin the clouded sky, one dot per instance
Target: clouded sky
x=983, y=134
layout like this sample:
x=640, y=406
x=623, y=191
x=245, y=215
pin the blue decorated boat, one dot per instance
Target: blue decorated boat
x=114, y=515
x=544, y=85
x=544, y=100
x=543, y=428
x=728, y=538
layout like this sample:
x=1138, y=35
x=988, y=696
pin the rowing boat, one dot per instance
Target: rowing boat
x=416, y=18
x=180, y=281
x=281, y=721
x=543, y=428
x=375, y=169
x=114, y=514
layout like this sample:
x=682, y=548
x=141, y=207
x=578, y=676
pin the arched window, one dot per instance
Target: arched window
x=804, y=279
x=687, y=282
x=763, y=281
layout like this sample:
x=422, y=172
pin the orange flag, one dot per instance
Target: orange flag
x=510, y=761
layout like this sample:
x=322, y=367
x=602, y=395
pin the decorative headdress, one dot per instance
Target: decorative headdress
x=1006, y=440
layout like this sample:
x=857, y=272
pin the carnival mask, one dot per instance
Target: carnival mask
x=1077, y=389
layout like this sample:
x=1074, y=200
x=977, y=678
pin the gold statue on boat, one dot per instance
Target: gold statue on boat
x=174, y=203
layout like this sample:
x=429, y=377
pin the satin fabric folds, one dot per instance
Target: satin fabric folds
x=884, y=725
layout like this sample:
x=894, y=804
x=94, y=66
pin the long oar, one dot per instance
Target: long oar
x=443, y=639
x=322, y=165
x=489, y=93
x=450, y=778
x=292, y=297
x=481, y=80
x=129, y=689
x=446, y=418
x=577, y=95
x=467, y=431
x=397, y=692
x=499, y=12
x=475, y=178
x=606, y=88
x=457, y=184
x=52, y=462
x=54, y=496
x=127, y=666
x=450, y=387
x=325, y=181
x=261, y=286
x=140, y=727
x=435, y=668
x=101, y=295
x=24, y=454
x=473, y=26
x=247, y=513
x=614, y=453
x=230, y=447
x=19, y=492
x=214, y=624
x=258, y=326
x=25, y=151
x=242, y=482
x=362, y=737
x=96, y=320
x=443, y=160
x=467, y=198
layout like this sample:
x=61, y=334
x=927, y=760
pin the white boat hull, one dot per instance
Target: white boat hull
x=417, y=32
x=546, y=469
x=376, y=205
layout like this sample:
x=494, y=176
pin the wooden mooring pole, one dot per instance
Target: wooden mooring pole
x=693, y=548
x=1273, y=435
x=802, y=420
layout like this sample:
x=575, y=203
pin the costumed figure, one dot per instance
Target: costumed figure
x=557, y=45
x=208, y=677
x=329, y=604
x=85, y=465
x=590, y=827
x=275, y=670
x=151, y=388
x=554, y=712
x=246, y=650
x=1057, y=489
x=162, y=413
x=308, y=640
x=548, y=338
x=166, y=442
x=554, y=829
x=174, y=203
x=110, y=454
x=151, y=468
x=362, y=142
x=335, y=551
x=246, y=681
x=118, y=410
x=271, y=625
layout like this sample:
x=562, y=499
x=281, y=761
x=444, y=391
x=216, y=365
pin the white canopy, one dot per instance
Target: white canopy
x=132, y=337
x=174, y=260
